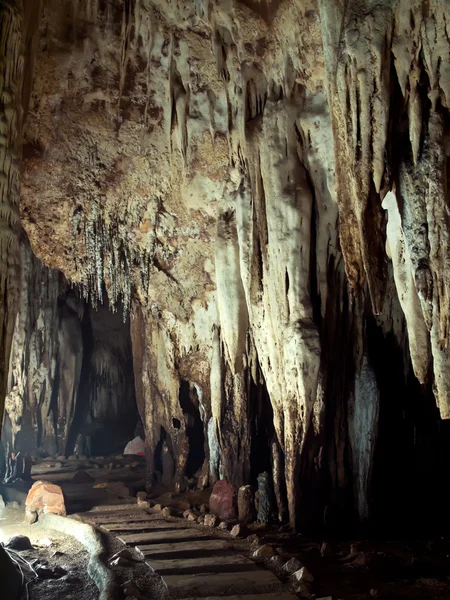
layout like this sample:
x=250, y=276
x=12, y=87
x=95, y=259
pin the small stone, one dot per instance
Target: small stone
x=264, y=551
x=190, y=515
x=222, y=501
x=31, y=516
x=239, y=530
x=167, y=512
x=158, y=507
x=303, y=576
x=119, y=562
x=246, y=508
x=223, y=526
x=210, y=521
x=201, y=519
x=276, y=562
x=293, y=565
x=325, y=550
x=19, y=542
x=141, y=496
x=124, y=554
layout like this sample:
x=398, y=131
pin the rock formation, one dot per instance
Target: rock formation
x=262, y=186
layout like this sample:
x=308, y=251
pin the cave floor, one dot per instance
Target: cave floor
x=187, y=560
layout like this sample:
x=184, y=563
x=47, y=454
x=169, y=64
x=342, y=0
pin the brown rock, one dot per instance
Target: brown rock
x=246, y=508
x=201, y=519
x=203, y=509
x=158, y=507
x=292, y=565
x=211, y=521
x=303, y=576
x=223, y=526
x=239, y=530
x=118, y=488
x=31, y=516
x=223, y=500
x=265, y=551
x=190, y=515
x=167, y=512
x=45, y=497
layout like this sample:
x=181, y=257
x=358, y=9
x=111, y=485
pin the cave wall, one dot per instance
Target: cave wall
x=70, y=384
x=263, y=187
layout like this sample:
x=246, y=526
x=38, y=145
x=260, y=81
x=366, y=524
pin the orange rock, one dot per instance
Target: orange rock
x=45, y=497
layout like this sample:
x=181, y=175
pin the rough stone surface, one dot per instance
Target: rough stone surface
x=222, y=501
x=292, y=565
x=210, y=520
x=45, y=498
x=303, y=576
x=246, y=508
x=265, y=498
x=264, y=551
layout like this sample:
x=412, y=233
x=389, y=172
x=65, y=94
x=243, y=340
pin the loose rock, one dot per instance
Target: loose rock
x=210, y=521
x=190, y=515
x=303, y=576
x=19, y=542
x=158, y=507
x=223, y=526
x=167, y=512
x=265, y=551
x=292, y=565
x=239, y=531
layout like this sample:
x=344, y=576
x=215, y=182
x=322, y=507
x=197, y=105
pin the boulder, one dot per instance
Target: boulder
x=223, y=500
x=246, y=506
x=264, y=551
x=45, y=498
x=203, y=509
x=19, y=542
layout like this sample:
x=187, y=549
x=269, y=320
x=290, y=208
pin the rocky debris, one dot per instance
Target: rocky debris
x=141, y=497
x=190, y=515
x=210, y=521
x=203, y=509
x=19, y=542
x=303, y=576
x=292, y=566
x=158, y=507
x=246, y=505
x=45, y=498
x=325, y=550
x=201, y=519
x=119, y=489
x=222, y=501
x=223, y=526
x=167, y=512
x=265, y=498
x=265, y=551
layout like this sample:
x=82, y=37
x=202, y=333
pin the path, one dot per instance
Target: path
x=194, y=562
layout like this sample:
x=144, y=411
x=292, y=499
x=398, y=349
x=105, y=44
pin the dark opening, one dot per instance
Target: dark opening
x=190, y=406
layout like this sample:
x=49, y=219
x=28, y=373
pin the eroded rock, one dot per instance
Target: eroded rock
x=45, y=497
x=223, y=500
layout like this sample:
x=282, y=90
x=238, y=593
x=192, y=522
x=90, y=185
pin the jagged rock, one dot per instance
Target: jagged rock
x=167, y=512
x=303, y=592
x=158, y=507
x=222, y=501
x=303, y=576
x=203, y=509
x=246, y=510
x=276, y=562
x=125, y=556
x=19, y=542
x=223, y=526
x=201, y=519
x=45, y=498
x=265, y=551
x=210, y=521
x=292, y=565
x=120, y=561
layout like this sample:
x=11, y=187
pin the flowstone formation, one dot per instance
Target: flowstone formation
x=263, y=187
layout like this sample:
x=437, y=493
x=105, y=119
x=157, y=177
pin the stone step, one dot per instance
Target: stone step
x=204, y=564
x=206, y=584
x=144, y=524
x=191, y=549
x=160, y=537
